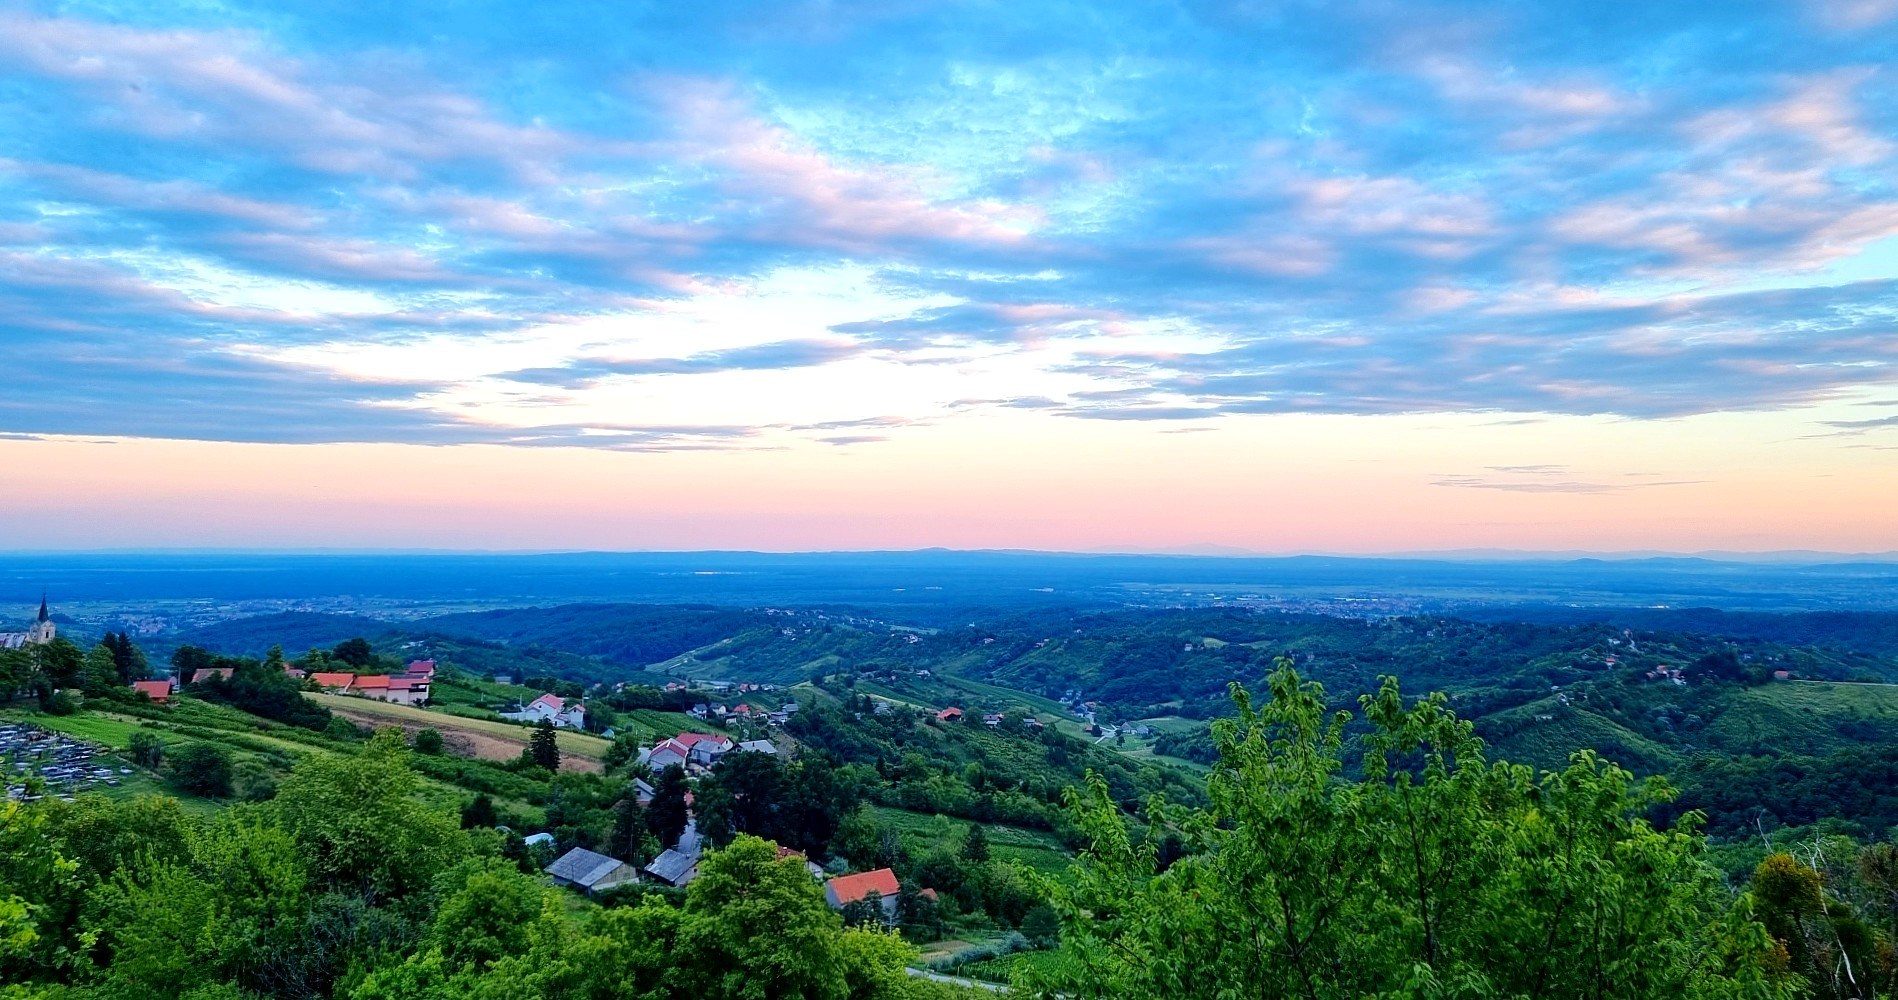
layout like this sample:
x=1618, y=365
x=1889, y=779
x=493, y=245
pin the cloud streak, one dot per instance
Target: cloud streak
x=1372, y=211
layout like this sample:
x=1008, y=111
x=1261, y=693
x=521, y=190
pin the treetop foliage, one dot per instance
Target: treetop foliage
x=1434, y=872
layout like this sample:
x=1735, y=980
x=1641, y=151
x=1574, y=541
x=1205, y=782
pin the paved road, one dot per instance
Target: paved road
x=955, y=980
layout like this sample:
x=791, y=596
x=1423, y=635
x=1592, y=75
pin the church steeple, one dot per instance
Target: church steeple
x=42, y=607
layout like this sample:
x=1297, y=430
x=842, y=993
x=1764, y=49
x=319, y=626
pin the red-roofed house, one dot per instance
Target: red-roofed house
x=704, y=748
x=333, y=682
x=949, y=715
x=665, y=754
x=408, y=690
x=158, y=691
x=402, y=690
x=552, y=708
x=421, y=668
x=846, y=889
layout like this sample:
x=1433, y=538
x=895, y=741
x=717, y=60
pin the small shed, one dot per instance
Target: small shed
x=589, y=872
x=674, y=867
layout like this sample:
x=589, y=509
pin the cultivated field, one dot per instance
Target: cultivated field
x=482, y=738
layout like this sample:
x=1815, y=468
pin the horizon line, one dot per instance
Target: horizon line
x=1481, y=554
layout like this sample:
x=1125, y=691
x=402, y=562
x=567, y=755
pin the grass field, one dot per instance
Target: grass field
x=1808, y=717
x=653, y=722
x=1548, y=743
x=106, y=732
x=580, y=744
x=1034, y=701
x=998, y=970
x=1038, y=849
x=246, y=737
x=1173, y=724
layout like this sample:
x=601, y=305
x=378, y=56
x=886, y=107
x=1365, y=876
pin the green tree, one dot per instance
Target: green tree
x=757, y=928
x=543, y=748
x=130, y=660
x=666, y=814
x=186, y=661
x=428, y=741
x=1042, y=926
x=233, y=910
x=356, y=652
x=479, y=812
x=254, y=781
x=487, y=910
x=147, y=750
x=41, y=892
x=59, y=663
x=975, y=844
x=1436, y=873
x=745, y=793
x=357, y=819
x=200, y=768
x=630, y=840
x=100, y=675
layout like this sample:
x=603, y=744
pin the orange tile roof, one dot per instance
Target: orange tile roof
x=378, y=681
x=849, y=888
x=157, y=691
x=333, y=679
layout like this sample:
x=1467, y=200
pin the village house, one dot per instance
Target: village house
x=158, y=691
x=401, y=689
x=847, y=889
x=759, y=746
x=551, y=708
x=589, y=872
x=704, y=748
x=949, y=715
x=664, y=754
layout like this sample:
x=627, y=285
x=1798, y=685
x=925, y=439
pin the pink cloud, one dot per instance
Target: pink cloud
x=1761, y=188
x=812, y=198
x=226, y=86
x=1855, y=15
x=173, y=195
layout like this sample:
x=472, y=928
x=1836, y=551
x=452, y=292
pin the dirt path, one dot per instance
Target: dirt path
x=465, y=742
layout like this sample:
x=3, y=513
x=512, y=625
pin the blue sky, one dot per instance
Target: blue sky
x=660, y=227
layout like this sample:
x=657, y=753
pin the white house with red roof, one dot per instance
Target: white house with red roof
x=554, y=709
x=664, y=754
x=847, y=889
x=704, y=748
x=401, y=689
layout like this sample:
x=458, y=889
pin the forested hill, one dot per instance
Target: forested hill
x=1864, y=631
x=1743, y=718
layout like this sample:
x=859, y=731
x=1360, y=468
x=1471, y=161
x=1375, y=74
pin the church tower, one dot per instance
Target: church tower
x=43, y=630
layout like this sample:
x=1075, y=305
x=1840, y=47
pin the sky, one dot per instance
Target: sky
x=828, y=274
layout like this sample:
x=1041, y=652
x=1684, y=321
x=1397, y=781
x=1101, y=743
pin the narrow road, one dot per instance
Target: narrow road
x=937, y=977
